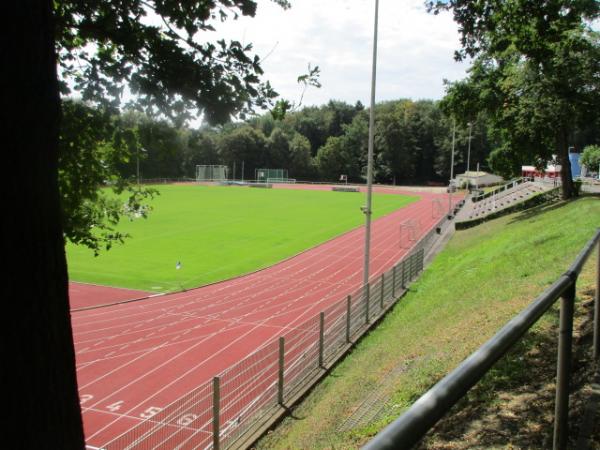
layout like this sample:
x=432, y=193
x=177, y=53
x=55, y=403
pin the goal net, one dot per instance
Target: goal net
x=408, y=232
x=272, y=176
x=437, y=208
x=211, y=173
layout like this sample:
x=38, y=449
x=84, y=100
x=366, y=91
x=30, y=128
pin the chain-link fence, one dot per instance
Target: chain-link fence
x=233, y=408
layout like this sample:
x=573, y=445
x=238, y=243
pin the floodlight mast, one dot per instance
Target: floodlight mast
x=450, y=184
x=367, y=209
x=469, y=148
x=138, y=163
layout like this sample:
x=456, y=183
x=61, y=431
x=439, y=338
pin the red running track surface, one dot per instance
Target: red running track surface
x=133, y=359
x=83, y=295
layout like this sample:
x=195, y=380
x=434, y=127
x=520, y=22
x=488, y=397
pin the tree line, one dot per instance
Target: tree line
x=318, y=143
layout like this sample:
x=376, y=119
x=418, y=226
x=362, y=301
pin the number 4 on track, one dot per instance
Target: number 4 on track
x=115, y=406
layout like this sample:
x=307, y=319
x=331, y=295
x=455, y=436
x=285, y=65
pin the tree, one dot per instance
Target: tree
x=331, y=159
x=591, y=157
x=171, y=71
x=93, y=145
x=200, y=150
x=300, y=160
x=278, y=150
x=345, y=154
x=243, y=144
x=534, y=73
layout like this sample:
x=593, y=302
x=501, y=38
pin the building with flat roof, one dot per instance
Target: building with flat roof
x=478, y=179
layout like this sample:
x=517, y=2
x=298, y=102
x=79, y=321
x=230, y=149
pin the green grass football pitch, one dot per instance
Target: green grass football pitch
x=220, y=232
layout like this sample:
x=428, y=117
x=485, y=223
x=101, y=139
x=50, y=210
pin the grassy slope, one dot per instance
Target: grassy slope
x=483, y=277
x=221, y=232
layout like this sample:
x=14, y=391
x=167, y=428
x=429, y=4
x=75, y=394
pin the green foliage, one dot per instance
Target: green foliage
x=300, y=159
x=246, y=144
x=534, y=73
x=311, y=78
x=92, y=146
x=105, y=46
x=591, y=157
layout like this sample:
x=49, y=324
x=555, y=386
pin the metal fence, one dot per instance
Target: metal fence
x=505, y=187
x=409, y=428
x=232, y=409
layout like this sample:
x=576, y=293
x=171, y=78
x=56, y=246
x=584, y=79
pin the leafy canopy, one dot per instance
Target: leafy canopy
x=165, y=53
x=534, y=74
x=160, y=50
x=591, y=157
x=92, y=146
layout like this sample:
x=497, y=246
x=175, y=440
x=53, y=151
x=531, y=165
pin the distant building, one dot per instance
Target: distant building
x=553, y=170
x=478, y=179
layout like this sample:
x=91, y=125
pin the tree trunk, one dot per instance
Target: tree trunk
x=38, y=376
x=562, y=151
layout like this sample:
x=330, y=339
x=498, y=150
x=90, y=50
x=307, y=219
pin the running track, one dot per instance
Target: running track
x=135, y=358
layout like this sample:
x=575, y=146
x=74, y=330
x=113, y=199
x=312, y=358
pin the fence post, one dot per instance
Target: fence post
x=563, y=368
x=281, y=370
x=382, y=290
x=394, y=282
x=321, y=337
x=348, y=317
x=216, y=413
x=403, y=274
x=367, y=300
x=597, y=310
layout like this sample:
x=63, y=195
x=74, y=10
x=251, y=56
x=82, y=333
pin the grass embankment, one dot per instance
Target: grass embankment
x=220, y=232
x=482, y=279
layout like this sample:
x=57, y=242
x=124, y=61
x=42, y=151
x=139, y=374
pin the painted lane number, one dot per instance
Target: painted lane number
x=115, y=406
x=152, y=411
x=187, y=419
x=85, y=398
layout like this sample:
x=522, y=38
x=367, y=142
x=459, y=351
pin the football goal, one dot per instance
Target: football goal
x=409, y=232
x=437, y=208
x=272, y=176
x=211, y=173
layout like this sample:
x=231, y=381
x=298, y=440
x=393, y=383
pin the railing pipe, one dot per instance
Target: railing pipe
x=409, y=428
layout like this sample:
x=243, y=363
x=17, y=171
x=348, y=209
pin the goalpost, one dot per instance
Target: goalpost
x=272, y=176
x=437, y=208
x=408, y=232
x=211, y=173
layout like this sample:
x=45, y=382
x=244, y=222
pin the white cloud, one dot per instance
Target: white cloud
x=415, y=49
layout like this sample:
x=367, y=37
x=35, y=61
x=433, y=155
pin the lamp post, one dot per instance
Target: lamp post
x=469, y=148
x=450, y=184
x=138, y=162
x=367, y=208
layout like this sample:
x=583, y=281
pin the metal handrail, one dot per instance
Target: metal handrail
x=411, y=426
x=504, y=187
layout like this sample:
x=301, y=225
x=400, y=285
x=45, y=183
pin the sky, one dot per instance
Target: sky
x=415, y=48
